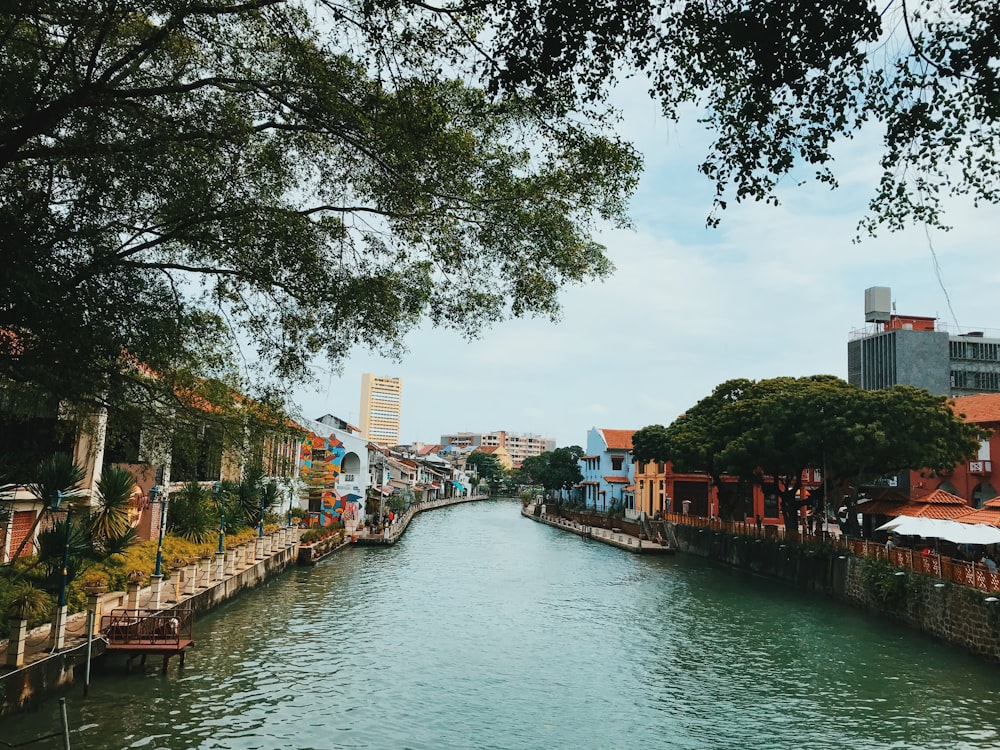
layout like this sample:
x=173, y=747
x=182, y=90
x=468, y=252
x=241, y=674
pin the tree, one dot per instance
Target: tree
x=488, y=467
x=770, y=431
x=558, y=469
x=227, y=190
x=779, y=83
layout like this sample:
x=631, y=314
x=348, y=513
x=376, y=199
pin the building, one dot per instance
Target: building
x=503, y=456
x=334, y=474
x=381, y=406
x=917, y=350
x=519, y=446
x=607, y=469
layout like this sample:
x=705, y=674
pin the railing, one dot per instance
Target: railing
x=931, y=564
x=125, y=628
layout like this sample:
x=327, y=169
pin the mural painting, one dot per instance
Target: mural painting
x=320, y=466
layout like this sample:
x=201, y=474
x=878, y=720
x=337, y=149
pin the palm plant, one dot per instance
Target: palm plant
x=110, y=519
x=56, y=478
x=191, y=515
x=52, y=550
x=28, y=603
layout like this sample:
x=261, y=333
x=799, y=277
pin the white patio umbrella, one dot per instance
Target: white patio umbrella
x=936, y=528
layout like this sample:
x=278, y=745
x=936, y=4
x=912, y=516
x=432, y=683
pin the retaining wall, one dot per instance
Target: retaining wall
x=960, y=615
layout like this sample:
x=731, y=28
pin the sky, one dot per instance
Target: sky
x=773, y=291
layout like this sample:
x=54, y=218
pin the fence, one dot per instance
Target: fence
x=931, y=564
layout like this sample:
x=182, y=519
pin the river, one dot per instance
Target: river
x=482, y=629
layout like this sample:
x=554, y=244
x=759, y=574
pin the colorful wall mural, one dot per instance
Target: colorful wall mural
x=319, y=468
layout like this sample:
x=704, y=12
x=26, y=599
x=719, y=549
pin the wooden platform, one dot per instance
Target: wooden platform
x=137, y=633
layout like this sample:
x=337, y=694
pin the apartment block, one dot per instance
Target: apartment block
x=519, y=446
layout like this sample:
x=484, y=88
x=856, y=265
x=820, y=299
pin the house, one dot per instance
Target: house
x=974, y=480
x=334, y=472
x=502, y=454
x=607, y=469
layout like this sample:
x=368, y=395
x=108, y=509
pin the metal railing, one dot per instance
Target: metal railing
x=125, y=628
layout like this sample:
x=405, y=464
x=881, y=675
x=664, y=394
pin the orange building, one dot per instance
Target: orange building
x=974, y=481
x=659, y=489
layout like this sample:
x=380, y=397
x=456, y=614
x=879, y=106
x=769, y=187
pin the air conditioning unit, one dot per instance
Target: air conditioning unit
x=979, y=467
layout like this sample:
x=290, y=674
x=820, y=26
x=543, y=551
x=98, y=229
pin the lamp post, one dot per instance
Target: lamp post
x=59, y=624
x=217, y=495
x=154, y=492
x=260, y=525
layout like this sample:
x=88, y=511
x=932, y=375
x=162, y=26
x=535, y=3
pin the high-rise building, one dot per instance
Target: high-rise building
x=916, y=350
x=381, y=406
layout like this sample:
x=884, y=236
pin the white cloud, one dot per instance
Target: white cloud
x=773, y=291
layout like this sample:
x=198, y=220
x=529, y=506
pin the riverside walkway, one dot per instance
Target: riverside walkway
x=391, y=534
x=614, y=537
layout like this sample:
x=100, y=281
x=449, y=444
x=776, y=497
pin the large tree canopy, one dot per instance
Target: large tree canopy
x=203, y=187
x=558, y=469
x=209, y=186
x=770, y=431
x=778, y=83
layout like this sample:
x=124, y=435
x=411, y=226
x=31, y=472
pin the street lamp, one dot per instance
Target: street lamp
x=291, y=498
x=154, y=492
x=260, y=526
x=217, y=494
x=56, y=501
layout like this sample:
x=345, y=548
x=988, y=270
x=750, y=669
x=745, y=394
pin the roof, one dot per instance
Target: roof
x=616, y=480
x=487, y=449
x=935, y=504
x=989, y=516
x=617, y=440
x=983, y=408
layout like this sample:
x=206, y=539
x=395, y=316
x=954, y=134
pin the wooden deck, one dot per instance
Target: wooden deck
x=137, y=633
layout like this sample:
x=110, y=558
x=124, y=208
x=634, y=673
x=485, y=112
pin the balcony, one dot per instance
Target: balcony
x=980, y=468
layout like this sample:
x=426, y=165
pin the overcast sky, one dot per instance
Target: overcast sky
x=772, y=291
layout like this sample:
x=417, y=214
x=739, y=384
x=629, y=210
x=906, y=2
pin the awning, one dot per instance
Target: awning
x=616, y=480
x=937, y=528
x=458, y=486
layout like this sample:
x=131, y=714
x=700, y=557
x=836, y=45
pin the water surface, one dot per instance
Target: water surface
x=482, y=629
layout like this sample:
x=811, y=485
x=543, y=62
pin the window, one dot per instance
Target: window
x=616, y=463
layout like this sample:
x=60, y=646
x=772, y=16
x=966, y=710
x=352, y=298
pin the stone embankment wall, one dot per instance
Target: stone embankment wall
x=47, y=673
x=957, y=614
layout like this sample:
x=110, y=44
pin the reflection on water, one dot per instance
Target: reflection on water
x=481, y=629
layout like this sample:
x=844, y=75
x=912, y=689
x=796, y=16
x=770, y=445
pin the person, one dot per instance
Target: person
x=760, y=522
x=890, y=544
x=988, y=562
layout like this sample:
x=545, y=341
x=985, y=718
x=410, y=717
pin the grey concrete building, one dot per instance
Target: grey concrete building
x=916, y=350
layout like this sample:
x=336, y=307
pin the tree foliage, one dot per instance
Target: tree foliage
x=488, y=467
x=229, y=190
x=558, y=469
x=778, y=83
x=770, y=431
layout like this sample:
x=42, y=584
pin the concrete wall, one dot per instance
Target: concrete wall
x=959, y=615
x=42, y=678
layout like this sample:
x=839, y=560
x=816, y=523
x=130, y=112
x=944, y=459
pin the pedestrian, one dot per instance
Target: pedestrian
x=760, y=522
x=890, y=544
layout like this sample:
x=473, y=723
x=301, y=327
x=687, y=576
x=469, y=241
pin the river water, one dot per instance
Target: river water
x=482, y=629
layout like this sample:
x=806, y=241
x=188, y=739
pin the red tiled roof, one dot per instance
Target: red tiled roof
x=587, y=482
x=589, y=456
x=487, y=449
x=941, y=497
x=935, y=504
x=616, y=480
x=983, y=408
x=987, y=515
x=618, y=440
